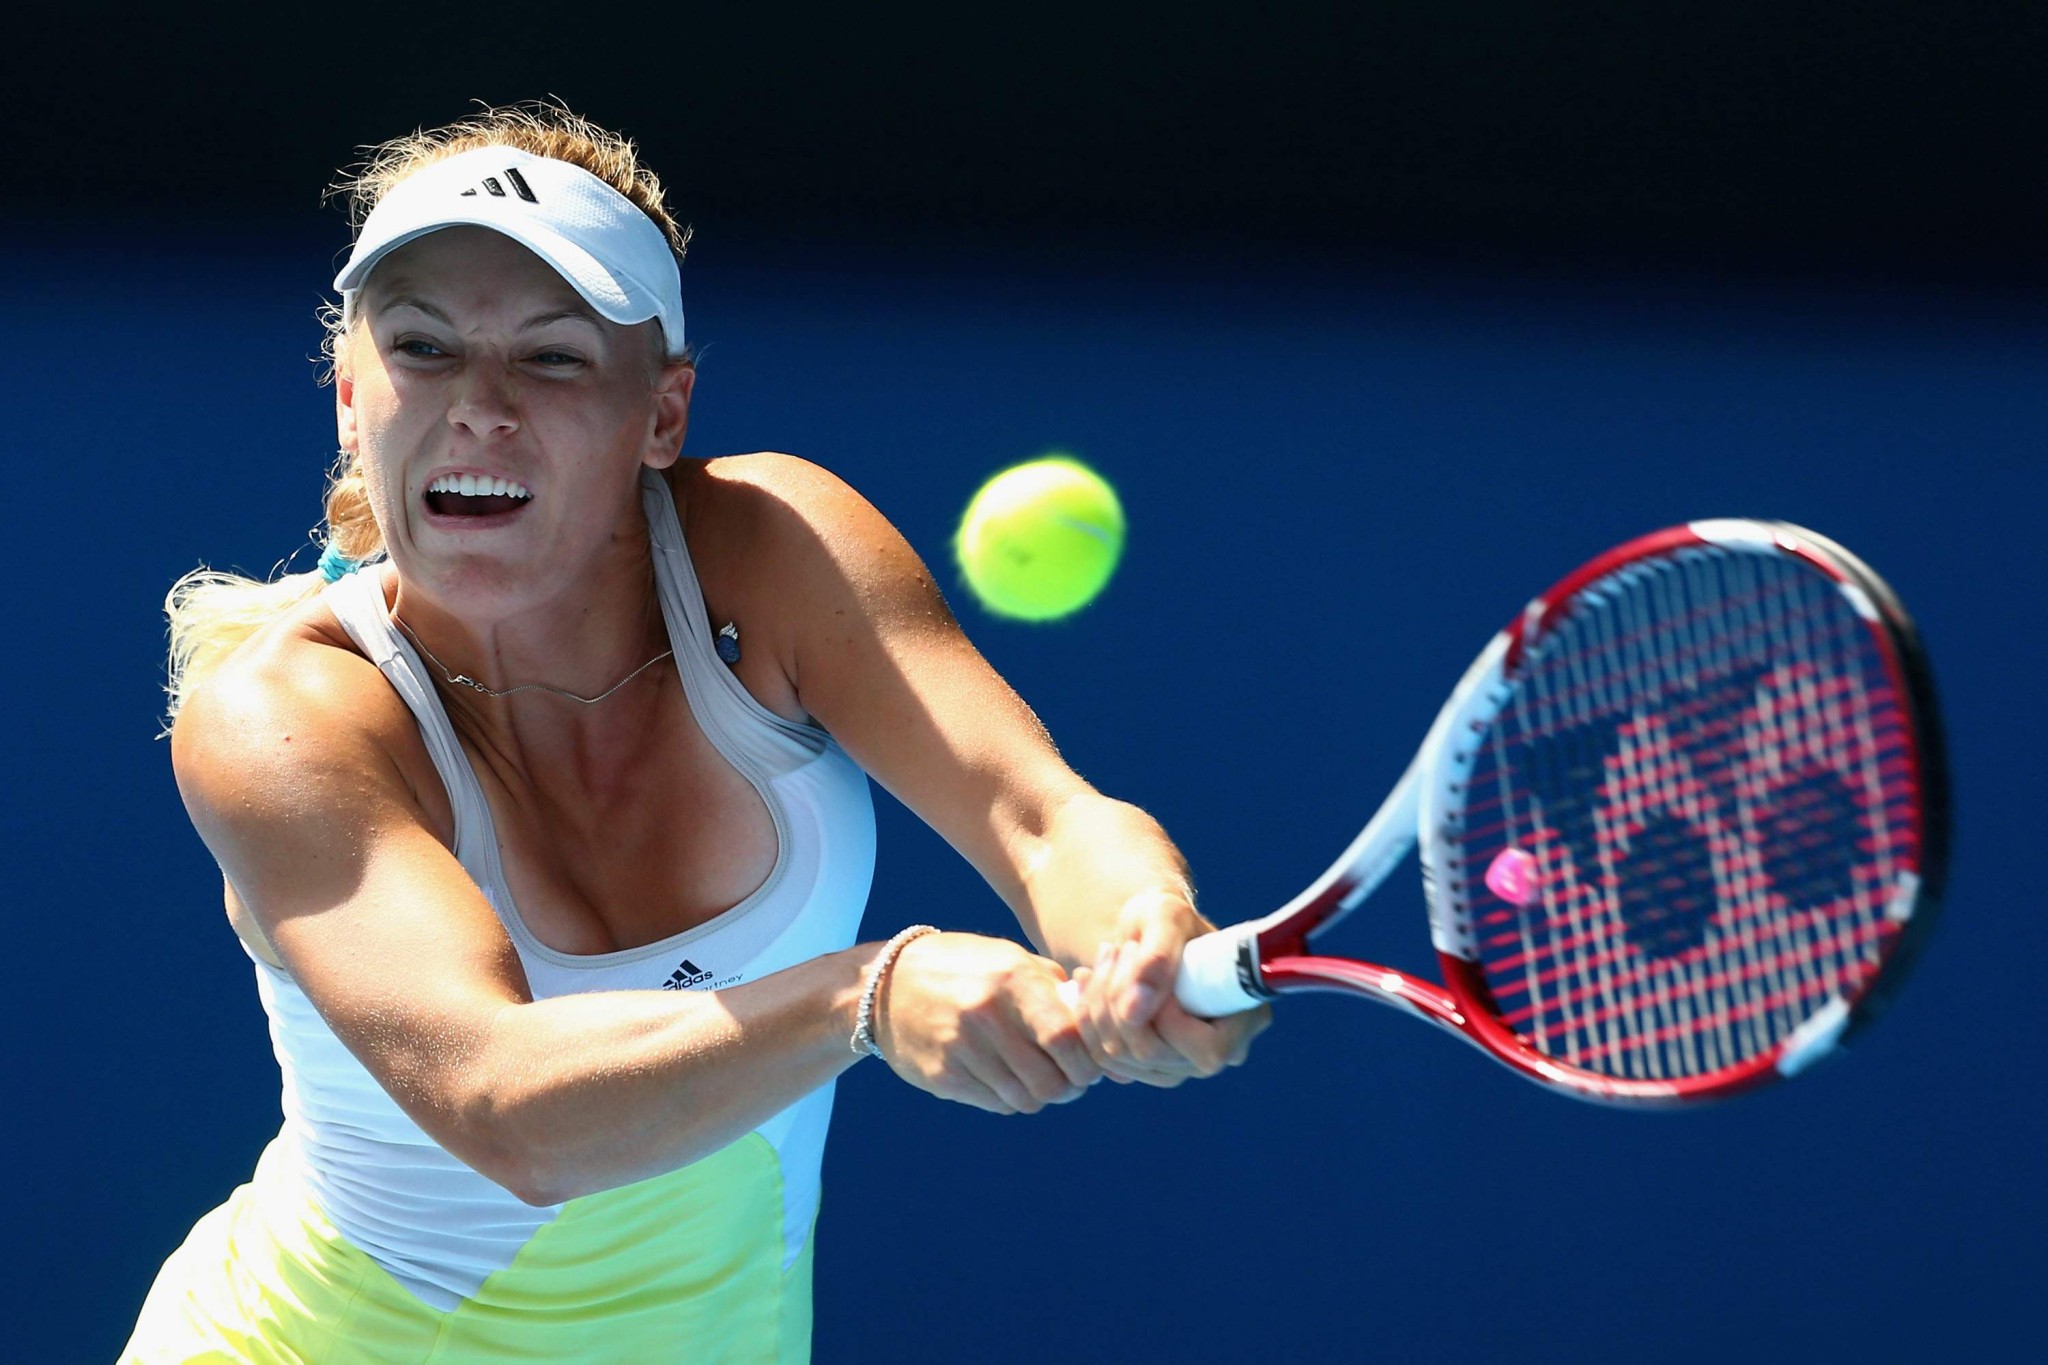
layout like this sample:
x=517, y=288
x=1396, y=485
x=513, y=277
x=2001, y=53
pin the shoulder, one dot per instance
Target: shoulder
x=293, y=719
x=773, y=494
x=798, y=525
x=811, y=570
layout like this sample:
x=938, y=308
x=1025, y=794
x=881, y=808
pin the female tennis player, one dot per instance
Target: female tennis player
x=542, y=811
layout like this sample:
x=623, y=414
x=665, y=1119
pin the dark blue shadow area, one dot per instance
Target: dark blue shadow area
x=1339, y=484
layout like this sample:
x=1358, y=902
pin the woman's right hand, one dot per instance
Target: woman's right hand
x=982, y=1021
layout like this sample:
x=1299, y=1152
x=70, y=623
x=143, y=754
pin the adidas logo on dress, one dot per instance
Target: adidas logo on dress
x=686, y=976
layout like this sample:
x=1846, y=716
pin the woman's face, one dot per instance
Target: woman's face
x=472, y=362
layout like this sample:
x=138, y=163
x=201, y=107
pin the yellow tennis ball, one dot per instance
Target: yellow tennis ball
x=1040, y=540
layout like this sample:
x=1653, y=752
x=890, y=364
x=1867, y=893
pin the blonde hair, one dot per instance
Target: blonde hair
x=212, y=612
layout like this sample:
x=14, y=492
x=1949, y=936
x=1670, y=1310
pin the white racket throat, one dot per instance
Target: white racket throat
x=1219, y=972
x=1445, y=765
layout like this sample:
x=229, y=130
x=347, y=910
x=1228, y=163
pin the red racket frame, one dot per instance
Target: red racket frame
x=1275, y=960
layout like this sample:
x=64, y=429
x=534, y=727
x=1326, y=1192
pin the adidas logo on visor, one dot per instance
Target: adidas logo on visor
x=492, y=186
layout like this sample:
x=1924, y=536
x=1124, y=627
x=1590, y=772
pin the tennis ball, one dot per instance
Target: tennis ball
x=1040, y=540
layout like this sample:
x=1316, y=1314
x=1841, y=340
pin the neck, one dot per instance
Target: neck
x=455, y=679
x=594, y=637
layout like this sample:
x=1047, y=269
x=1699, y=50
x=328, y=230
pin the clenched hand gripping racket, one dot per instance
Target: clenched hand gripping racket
x=1682, y=824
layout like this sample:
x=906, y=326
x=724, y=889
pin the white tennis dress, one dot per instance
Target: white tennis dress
x=361, y=1238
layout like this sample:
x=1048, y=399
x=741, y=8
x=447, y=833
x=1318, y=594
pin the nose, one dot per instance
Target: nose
x=486, y=400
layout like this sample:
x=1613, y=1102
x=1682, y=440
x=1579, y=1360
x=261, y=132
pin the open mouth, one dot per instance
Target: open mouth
x=473, y=495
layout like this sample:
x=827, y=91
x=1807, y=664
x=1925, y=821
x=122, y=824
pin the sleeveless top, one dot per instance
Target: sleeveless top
x=437, y=1227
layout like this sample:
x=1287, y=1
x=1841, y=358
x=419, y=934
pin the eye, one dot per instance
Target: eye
x=557, y=359
x=417, y=346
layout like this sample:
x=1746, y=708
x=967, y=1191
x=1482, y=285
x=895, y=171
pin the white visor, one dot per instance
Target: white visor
x=593, y=236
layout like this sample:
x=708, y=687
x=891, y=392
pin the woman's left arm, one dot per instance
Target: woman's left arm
x=875, y=656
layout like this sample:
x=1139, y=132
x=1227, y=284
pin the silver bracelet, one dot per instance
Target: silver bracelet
x=863, y=1023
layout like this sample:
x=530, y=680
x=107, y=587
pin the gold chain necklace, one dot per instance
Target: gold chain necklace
x=464, y=680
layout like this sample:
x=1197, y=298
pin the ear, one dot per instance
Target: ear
x=345, y=407
x=671, y=421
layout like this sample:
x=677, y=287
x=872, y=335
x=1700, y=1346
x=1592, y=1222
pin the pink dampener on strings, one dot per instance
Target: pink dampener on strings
x=1512, y=877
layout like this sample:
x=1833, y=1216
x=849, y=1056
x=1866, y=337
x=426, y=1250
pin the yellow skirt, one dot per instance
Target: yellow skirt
x=684, y=1267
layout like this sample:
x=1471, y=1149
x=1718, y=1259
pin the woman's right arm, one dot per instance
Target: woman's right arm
x=291, y=772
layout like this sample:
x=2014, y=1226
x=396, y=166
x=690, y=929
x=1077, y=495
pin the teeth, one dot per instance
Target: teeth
x=473, y=486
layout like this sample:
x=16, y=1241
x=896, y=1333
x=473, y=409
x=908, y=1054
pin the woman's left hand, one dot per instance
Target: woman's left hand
x=1132, y=1026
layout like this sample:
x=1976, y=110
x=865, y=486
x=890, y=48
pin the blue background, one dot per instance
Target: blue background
x=1340, y=480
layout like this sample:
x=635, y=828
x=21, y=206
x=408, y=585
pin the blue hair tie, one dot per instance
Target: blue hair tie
x=334, y=565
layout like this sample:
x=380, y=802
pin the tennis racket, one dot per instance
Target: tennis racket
x=1683, y=826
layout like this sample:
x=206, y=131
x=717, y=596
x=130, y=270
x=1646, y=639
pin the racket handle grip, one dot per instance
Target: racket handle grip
x=1219, y=974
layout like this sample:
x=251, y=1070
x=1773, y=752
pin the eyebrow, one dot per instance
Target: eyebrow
x=571, y=314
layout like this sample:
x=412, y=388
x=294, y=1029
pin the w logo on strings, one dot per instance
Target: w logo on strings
x=495, y=188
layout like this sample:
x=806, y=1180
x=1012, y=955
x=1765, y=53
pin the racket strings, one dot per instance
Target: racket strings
x=1706, y=761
